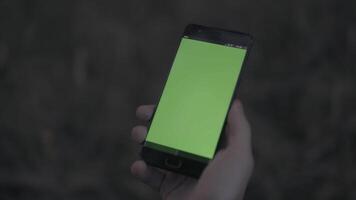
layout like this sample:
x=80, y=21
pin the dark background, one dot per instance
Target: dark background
x=73, y=72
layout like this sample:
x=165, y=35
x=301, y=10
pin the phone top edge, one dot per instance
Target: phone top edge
x=218, y=36
x=219, y=29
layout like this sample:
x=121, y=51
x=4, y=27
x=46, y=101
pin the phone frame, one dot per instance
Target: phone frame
x=175, y=161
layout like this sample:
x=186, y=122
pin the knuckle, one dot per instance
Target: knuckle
x=138, y=129
x=138, y=111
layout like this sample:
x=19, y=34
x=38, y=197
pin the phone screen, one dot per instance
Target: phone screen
x=192, y=109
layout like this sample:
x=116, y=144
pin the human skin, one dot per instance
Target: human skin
x=225, y=177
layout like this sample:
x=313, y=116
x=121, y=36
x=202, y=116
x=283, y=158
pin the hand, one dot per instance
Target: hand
x=226, y=176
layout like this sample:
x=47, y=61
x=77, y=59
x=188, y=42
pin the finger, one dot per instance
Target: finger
x=138, y=133
x=238, y=130
x=145, y=112
x=149, y=175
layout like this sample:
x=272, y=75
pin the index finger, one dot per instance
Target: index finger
x=145, y=112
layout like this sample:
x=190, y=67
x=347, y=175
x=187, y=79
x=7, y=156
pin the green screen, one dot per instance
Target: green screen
x=195, y=100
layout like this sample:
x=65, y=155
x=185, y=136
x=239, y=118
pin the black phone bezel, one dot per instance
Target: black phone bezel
x=188, y=166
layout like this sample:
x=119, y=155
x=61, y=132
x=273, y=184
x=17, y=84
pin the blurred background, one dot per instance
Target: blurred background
x=73, y=72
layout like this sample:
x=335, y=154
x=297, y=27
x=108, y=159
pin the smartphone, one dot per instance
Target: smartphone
x=189, y=119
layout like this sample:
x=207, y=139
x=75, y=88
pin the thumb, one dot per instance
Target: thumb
x=238, y=130
x=227, y=176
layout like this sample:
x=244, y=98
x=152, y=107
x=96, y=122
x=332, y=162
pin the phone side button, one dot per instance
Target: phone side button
x=173, y=163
